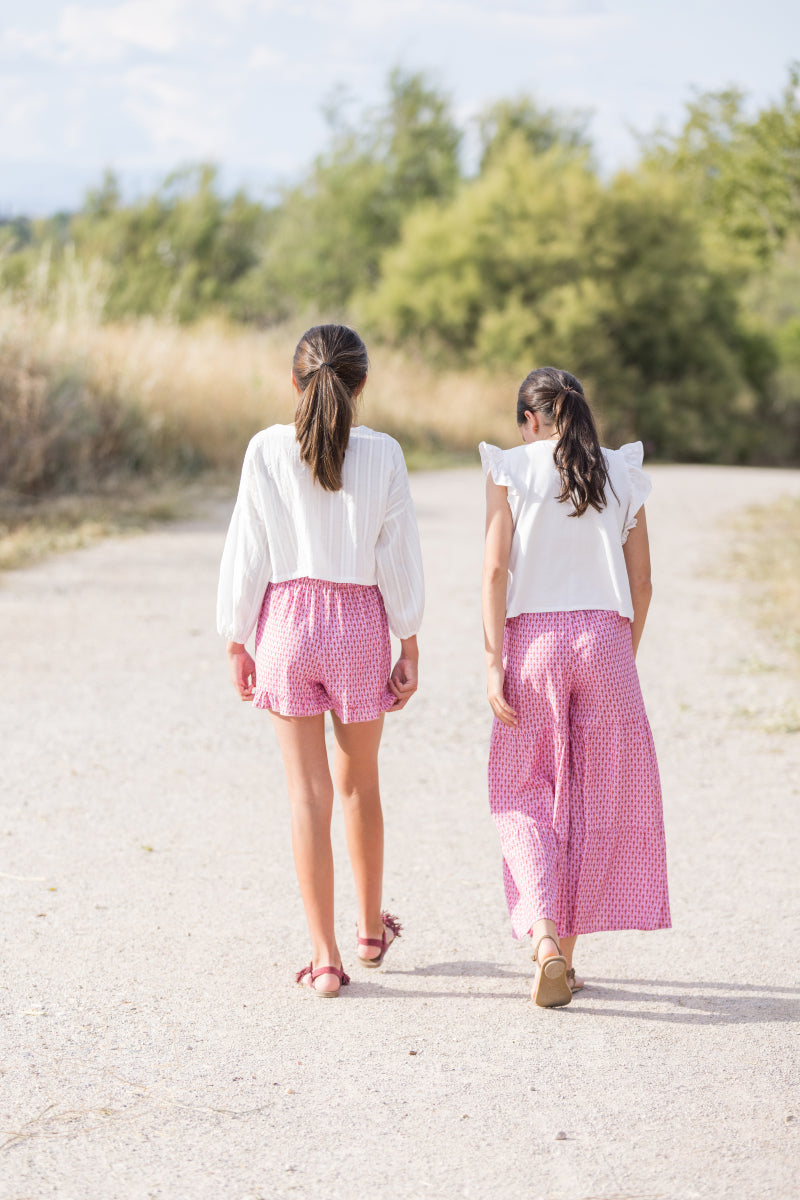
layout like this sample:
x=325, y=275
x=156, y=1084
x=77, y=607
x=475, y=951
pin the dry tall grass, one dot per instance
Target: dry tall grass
x=81, y=400
x=215, y=385
x=102, y=426
x=767, y=559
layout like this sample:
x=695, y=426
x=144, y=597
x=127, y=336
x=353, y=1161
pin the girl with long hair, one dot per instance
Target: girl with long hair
x=573, y=779
x=322, y=560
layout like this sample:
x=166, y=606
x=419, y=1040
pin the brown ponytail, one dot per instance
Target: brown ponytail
x=558, y=397
x=330, y=365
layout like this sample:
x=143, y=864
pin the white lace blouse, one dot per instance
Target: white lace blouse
x=559, y=562
x=286, y=526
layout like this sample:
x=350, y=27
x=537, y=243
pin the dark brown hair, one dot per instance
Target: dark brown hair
x=329, y=364
x=558, y=398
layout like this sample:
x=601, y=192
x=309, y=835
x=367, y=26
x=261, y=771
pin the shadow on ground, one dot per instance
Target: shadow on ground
x=696, y=1002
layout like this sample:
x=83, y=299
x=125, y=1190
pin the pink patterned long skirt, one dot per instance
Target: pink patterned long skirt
x=574, y=789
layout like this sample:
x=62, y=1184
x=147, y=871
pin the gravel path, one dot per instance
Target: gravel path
x=155, y=1044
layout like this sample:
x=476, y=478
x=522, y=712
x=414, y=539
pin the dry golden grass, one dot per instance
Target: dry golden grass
x=89, y=411
x=213, y=385
x=32, y=531
x=219, y=384
x=767, y=559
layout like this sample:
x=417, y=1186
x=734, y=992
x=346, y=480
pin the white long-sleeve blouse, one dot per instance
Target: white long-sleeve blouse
x=560, y=562
x=286, y=526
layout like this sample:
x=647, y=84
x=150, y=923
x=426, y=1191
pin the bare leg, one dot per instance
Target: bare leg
x=567, y=945
x=568, y=949
x=548, y=946
x=356, y=775
x=308, y=777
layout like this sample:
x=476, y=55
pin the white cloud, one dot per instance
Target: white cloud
x=178, y=118
x=22, y=131
x=264, y=58
x=558, y=17
x=94, y=34
x=148, y=83
x=231, y=10
x=103, y=34
x=26, y=43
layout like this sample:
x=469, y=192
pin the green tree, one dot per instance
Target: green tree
x=101, y=202
x=332, y=228
x=181, y=252
x=535, y=262
x=499, y=247
x=657, y=329
x=542, y=128
x=741, y=172
x=418, y=141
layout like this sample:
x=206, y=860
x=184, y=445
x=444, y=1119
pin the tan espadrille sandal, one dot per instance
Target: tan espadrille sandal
x=551, y=988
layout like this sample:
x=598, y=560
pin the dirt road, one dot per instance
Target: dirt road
x=155, y=1044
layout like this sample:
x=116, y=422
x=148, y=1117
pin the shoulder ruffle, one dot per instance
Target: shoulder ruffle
x=493, y=460
x=640, y=484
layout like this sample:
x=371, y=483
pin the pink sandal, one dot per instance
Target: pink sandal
x=389, y=922
x=308, y=975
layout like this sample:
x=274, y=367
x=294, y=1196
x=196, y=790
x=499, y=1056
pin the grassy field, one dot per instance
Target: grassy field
x=202, y=391
x=767, y=561
x=102, y=426
x=33, y=530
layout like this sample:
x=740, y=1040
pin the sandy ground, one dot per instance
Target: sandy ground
x=154, y=1041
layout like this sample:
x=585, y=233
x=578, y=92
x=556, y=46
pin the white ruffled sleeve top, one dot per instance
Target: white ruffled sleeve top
x=560, y=562
x=286, y=526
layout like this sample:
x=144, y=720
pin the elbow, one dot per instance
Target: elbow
x=493, y=573
x=642, y=587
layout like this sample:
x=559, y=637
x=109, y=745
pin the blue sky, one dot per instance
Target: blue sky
x=146, y=85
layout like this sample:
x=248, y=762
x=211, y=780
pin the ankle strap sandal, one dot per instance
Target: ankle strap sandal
x=551, y=988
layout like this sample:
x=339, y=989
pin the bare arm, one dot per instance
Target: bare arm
x=637, y=562
x=499, y=534
x=404, y=678
x=243, y=669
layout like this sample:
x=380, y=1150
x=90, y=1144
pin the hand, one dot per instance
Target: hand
x=495, y=678
x=243, y=670
x=403, y=681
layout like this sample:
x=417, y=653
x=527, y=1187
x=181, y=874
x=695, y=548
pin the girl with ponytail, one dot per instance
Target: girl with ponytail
x=321, y=561
x=573, y=779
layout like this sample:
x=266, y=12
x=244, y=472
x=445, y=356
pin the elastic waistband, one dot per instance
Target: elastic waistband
x=567, y=615
x=327, y=587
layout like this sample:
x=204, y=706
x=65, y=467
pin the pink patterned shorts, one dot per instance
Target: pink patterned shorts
x=322, y=646
x=574, y=789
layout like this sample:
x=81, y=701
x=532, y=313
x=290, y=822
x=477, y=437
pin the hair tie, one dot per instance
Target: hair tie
x=325, y=363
